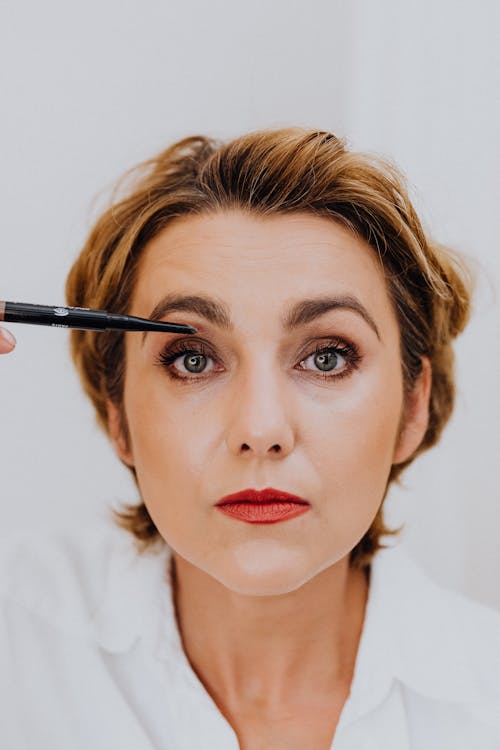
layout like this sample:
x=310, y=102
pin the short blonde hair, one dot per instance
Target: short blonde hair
x=275, y=172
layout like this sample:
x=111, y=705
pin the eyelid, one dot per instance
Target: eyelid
x=325, y=339
x=314, y=343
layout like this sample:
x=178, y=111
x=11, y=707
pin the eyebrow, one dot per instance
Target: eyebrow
x=299, y=314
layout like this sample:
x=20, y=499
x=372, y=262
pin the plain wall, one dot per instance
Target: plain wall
x=88, y=90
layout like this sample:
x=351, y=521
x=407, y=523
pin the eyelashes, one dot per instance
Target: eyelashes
x=204, y=363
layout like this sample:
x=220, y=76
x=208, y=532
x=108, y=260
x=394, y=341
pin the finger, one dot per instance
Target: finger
x=7, y=341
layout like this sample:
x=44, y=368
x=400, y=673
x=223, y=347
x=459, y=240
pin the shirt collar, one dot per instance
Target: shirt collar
x=417, y=632
x=135, y=584
x=414, y=631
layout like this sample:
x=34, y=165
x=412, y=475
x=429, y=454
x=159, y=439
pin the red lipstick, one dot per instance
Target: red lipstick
x=262, y=506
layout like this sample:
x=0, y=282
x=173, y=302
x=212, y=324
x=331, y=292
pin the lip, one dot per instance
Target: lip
x=262, y=506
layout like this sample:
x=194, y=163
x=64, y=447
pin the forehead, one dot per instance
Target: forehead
x=260, y=261
x=300, y=248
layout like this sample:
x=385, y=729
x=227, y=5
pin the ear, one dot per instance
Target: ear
x=117, y=434
x=416, y=418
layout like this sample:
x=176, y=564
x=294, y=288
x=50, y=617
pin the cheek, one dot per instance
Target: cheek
x=168, y=440
x=351, y=440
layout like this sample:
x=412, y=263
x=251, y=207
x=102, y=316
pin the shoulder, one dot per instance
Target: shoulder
x=73, y=609
x=57, y=569
x=443, y=645
x=68, y=579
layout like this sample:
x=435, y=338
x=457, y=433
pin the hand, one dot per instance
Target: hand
x=7, y=341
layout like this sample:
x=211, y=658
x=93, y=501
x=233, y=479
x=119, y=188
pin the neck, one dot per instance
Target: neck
x=274, y=651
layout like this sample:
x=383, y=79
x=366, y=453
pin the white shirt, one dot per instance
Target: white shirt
x=91, y=657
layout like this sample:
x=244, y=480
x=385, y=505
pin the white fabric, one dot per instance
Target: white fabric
x=91, y=657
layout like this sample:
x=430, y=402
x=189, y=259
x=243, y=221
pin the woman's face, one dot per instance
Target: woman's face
x=284, y=385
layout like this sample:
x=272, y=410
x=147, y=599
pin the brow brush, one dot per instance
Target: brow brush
x=83, y=317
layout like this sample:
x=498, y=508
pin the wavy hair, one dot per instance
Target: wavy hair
x=275, y=172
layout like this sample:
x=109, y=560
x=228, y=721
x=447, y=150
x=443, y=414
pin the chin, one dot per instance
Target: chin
x=265, y=569
x=278, y=586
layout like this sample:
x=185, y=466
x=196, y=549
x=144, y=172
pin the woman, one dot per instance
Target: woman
x=259, y=608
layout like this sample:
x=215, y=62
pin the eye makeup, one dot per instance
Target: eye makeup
x=322, y=354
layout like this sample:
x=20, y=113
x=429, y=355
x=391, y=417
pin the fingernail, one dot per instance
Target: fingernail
x=8, y=336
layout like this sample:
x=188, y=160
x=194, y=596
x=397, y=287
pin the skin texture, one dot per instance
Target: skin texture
x=270, y=615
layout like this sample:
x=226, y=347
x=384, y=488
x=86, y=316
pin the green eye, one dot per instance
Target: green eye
x=194, y=363
x=325, y=361
x=333, y=361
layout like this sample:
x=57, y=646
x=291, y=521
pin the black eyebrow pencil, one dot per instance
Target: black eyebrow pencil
x=83, y=317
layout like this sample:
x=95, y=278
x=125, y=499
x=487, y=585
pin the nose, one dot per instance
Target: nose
x=259, y=417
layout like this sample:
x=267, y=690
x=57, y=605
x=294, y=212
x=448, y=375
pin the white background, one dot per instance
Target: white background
x=90, y=89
